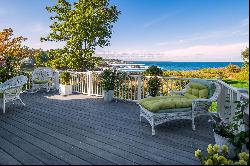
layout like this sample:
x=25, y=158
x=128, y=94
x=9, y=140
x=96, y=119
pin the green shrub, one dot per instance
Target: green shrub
x=108, y=79
x=153, y=71
x=4, y=74
x=154, y=85
x=65, y=78
x=232, y=68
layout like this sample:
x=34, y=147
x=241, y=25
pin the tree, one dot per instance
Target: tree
x=153, y=71
x=245, y=56
x=11, y=52
x=83, y=25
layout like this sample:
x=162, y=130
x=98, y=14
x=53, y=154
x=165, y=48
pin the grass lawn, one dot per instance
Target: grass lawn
x=238, y=84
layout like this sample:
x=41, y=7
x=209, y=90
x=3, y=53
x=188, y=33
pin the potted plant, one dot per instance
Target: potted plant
x=218, y=155
x=222, y=133
x=154, y=85
x=108, y=78
x=230, y=133
x=65, y=87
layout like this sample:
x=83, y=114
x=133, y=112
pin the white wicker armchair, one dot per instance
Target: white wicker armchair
x=42, y=78
x=11, y=89
x=199, y=107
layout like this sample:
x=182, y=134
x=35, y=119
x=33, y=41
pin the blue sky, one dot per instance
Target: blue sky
x=160, y=30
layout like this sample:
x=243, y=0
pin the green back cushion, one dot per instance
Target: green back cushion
x=155, y=104
x=198, y=90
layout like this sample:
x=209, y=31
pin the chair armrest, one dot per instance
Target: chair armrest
x=3, y=87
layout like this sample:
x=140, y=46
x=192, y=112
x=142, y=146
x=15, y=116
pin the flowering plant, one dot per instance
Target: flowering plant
x=218, y=156
x=231, y=130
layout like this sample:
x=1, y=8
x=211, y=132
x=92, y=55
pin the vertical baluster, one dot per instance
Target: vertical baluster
x=143, y=88
x=139, y=88
x=167, y=87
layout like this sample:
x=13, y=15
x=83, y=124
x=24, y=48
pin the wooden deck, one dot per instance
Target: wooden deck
x=79, y=129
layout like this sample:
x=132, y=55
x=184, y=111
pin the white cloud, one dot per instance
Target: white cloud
x=226, y=52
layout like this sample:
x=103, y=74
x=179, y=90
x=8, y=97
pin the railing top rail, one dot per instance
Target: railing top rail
x=244, y=95
x=228, y=86
x=236, y=90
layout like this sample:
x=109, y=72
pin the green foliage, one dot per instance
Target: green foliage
x=243, y=74
x=154, y=85
x=240, y=138
x=153, y=71
x=83, y=25
x=237, y=83
x=217, y=155
x=108, y=79
x=245, y=56
x=65, y=78
x=4, y=74
x=232, y=130
x=221, y=127
x=232, y=68
x=41, y=58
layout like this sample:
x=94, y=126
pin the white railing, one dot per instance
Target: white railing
x=86, y=83
x=134, y=87
x=226, y=102
x=226, y=106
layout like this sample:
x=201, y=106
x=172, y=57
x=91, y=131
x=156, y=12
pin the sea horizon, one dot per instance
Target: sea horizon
x=185, y=66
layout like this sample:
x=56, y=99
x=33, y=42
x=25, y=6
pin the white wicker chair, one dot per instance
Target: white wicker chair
x=199, y=107
x=42, y=78
x=11, y=89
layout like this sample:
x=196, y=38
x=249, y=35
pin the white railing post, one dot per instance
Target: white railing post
x=221, y=102
x=90, y=83
x=139, y=87
x=56, y=80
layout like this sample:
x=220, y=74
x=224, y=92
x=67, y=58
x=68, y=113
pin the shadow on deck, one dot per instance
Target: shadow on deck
x=79, y=129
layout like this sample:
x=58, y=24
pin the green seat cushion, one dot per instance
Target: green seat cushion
x=166, y=103
x=198, y=90
x=36, y=81
x=1, y=95
x=176, y=103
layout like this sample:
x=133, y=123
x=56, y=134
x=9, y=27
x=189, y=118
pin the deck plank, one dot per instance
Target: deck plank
x=80, y=129
x=31, y=149
x=51, y=122
x=6, y=159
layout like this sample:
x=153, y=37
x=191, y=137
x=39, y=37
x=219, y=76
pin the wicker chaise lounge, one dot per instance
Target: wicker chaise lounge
x=193, y=101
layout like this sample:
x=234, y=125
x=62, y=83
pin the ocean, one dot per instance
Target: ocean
x=182, y=66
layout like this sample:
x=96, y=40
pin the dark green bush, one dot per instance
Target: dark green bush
x=153, y=71
x=65, y=78
x=108, y=78
x=154, y=85
x=4, y=74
